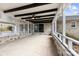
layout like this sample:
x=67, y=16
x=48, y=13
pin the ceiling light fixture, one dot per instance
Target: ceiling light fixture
x=33, y=16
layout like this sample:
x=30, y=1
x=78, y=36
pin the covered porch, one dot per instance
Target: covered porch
x=32, y=30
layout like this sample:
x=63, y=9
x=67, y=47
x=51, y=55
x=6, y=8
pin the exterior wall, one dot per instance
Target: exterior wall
x=69, y=29
x=17, y=34
x=5, y=18
x=72, y=31
x=47, y=28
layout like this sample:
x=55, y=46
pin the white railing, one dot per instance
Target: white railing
x=68, y=44
x=12, y=37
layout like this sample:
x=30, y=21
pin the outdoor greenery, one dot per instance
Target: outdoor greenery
x=5, y=29
x=9, y=28
x=72, y=36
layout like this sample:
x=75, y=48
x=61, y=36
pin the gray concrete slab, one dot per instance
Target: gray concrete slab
x=35, y=45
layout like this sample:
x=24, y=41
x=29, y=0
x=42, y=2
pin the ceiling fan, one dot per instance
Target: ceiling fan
x=33, y=17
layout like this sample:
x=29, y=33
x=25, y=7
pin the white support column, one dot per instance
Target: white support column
x=52, y=27
x=16, y=29
x=24, y=29
x=64, y=24
x=28, y=27
x=55, y=19
x=33, y=28
x=55, y=26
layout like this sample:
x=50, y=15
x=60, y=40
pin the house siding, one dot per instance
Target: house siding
x=69, y=29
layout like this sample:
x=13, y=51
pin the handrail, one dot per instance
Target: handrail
x=70, y=43
x=66, y=41
x=71, y=39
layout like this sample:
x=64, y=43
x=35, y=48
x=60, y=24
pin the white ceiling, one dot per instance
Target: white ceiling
x=35, y=9
x=36, y=15
x=6, y=6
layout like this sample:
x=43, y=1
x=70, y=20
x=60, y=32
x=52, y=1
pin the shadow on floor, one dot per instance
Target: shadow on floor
x=52, y=44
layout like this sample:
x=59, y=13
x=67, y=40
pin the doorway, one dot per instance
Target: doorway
x=41, y=27
x=38, y=27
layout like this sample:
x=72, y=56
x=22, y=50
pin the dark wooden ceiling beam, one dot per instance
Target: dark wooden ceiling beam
x=44, y=21
x=33, y=13
x=40, y=19
x=25, y=7
x=39, y=16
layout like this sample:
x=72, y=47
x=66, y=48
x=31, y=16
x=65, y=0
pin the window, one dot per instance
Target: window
x=36, y=28
x=39, y=27
x=6, y=29
x=21, y=27
x=30, y=28
x=73, y=25
x=26, y=27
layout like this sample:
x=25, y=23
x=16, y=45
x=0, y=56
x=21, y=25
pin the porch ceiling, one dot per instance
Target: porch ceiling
x=27, y=10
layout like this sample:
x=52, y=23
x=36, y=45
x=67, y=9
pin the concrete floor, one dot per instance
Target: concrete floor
x=35, y=45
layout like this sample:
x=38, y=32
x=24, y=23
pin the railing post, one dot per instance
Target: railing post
x=69, y=44
x=60, y=37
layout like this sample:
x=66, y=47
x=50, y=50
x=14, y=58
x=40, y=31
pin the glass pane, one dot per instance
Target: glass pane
x=26, y=28
x=72, y=23
x=36, y=28
x=30, y=28
x=72, y=20
x=60, y=21
x=41, y=27
x=21, y=27
x=59, y=24
x=6, y=29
